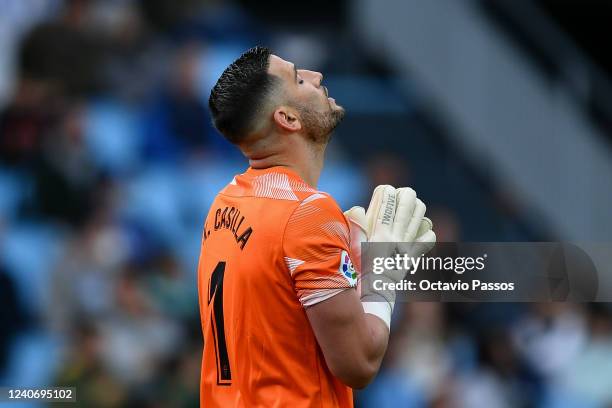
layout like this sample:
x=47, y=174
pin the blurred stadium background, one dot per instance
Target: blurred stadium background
x=498, y=112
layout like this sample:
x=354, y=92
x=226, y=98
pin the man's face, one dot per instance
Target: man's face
x=318, y=112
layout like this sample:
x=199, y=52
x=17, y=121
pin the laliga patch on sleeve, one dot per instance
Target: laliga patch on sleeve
x=347, y=269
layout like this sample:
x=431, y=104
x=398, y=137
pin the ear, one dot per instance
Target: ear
x=287, y=119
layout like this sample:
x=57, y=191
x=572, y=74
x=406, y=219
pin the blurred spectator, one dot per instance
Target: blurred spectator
x=65, y=181
x=388, y=168
x=24, y=123
x=84, y=370
x=12, y=316
x=16, y=19
x=84, y=279
x=425, y=355
x=551, y=337
x=501, y=379
x=178, y=122
x=64, y=52
x=171, y=293
x=165, y=15
x=178, y=385
x=589, y=375
x=135, y=339
x=135, y=60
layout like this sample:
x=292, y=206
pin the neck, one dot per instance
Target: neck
x=292, y=151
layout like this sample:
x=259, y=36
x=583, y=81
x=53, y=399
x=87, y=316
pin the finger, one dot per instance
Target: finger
x=426, y=225
x=415, y=221
x=406, y=201
x=375, y=203
x=382, y=210
x=429, y=236
x=426, y=242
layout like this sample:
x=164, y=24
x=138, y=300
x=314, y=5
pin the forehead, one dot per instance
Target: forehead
x=280, y=67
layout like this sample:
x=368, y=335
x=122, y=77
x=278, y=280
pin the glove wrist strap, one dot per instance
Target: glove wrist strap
x=381, y=310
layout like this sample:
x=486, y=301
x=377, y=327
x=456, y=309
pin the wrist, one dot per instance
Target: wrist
x=382, y=310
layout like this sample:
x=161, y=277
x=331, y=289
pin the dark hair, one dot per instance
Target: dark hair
x=240, y=91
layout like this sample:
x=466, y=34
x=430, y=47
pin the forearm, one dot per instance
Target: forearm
x=378, y=333
x=363, y=352
x=353, y=342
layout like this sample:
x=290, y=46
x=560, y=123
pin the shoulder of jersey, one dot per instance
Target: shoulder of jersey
x=278, y=186
x=321, y=210
x=323, y=201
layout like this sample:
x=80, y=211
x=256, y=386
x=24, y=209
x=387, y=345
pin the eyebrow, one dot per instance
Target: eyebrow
x=295, y=73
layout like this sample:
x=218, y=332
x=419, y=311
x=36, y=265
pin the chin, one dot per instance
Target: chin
x=338, y=111
x=333, y=106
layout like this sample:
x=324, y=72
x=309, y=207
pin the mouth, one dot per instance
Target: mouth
x=326, y=91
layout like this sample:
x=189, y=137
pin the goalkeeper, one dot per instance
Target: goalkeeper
x=283, y=319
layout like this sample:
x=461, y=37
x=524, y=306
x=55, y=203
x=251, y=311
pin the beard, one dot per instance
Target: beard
x=319, y=126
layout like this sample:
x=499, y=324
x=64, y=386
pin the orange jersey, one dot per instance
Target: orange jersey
x=272, y=245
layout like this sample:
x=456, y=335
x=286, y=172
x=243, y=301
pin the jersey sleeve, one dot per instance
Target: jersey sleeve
x=316, y=250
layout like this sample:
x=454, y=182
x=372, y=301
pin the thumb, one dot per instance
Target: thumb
x=357, y=215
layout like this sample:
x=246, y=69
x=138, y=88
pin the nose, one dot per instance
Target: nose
x=315, y=77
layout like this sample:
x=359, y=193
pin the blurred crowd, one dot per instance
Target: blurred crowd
x=108, y=163
x=505, y=355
